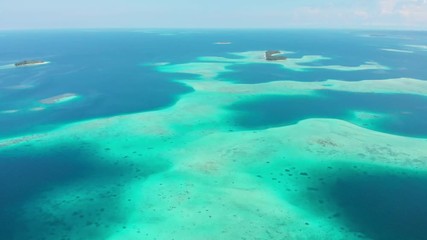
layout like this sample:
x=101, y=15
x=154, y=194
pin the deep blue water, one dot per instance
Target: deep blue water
x=105, y=68
x=383, y=205
x=404, y=114
x=24, y=175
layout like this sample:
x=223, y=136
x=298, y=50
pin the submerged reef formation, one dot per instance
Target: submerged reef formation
x=189, y=172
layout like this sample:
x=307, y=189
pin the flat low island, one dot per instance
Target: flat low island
x=29, y=62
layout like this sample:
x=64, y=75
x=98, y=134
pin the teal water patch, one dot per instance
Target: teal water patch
x=383, y=205
x=22, y=176
x=397, y=113
x=29, y=178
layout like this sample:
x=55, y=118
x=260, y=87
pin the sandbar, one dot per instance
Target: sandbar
x=222, y=43
x=396, y=50
x=10, y=111
x=62, y=98
x=420, y=47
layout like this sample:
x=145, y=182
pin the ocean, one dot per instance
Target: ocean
x=192, y=134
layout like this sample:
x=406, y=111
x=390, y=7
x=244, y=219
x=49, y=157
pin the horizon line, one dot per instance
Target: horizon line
x=219, y=28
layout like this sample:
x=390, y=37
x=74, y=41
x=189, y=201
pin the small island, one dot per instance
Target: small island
x=29, y=62
x=274, y=55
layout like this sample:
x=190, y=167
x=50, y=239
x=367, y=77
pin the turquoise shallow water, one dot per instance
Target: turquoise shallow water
x=77, y=187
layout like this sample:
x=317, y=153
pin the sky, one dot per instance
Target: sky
x=361, y=14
